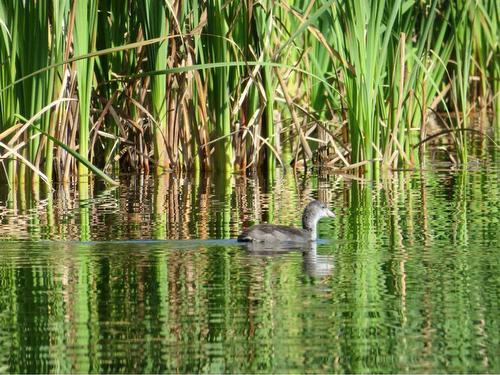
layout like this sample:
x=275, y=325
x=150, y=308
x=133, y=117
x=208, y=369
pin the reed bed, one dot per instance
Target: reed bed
x=237, y=86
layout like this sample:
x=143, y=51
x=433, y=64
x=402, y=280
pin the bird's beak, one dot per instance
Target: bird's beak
x=330, y=213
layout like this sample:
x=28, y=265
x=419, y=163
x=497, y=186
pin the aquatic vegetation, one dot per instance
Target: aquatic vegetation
x=229, y=86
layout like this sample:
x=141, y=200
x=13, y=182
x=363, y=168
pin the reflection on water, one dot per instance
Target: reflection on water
x=313, y=264
x=405, y=280
x=171, y=207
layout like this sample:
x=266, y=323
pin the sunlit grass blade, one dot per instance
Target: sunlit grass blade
x=84, y=42
x=154, y=21
x=218, y=85
x=264, y=25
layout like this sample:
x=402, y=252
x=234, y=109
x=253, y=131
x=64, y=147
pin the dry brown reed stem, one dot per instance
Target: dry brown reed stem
x=99, y=122
x=296, y=122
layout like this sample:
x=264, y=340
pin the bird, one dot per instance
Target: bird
x=313, y=212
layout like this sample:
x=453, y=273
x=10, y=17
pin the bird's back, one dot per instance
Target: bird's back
x=273, y=233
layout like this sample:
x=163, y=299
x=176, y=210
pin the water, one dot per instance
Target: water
x=146, y=278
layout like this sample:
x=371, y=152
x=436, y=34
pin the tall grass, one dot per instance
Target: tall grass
x=218, y=82
x=230, y=86
x=264, y=24
x=154, y=24
x=85, y=16
x=367, y=34
x=57, y=41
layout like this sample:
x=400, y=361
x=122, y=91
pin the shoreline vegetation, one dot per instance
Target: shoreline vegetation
x=357, y=86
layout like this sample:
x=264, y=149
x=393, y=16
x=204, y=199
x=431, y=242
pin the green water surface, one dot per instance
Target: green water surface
x=146, y=278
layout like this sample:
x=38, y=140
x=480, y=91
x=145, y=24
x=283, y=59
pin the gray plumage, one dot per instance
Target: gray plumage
x=313, y=212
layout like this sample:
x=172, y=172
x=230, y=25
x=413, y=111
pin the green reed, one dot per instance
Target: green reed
x=8, y=98
x=154, y=23
x=115, y=27
x=463, y=19
x=218, y=85
x=55, y=79
x=357, y=83
x=85, y=14
x=486, y=46
x=28, y=98
x=264, y=23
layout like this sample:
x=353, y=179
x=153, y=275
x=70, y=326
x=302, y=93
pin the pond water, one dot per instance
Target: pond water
x=148, y=277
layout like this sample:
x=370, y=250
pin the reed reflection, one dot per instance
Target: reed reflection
x=169, y=206
x=386, y=289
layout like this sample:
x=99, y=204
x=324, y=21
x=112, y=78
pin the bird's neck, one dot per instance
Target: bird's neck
x=310, y=226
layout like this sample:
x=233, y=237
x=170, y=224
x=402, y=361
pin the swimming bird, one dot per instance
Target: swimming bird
x=313, y=212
